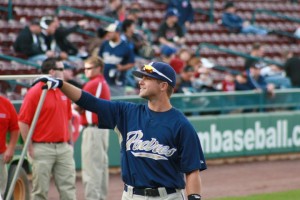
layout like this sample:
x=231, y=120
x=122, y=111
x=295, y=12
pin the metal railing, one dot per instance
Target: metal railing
x=278, y=15
x=19, y=60
x=8, y=9
x=236, y=53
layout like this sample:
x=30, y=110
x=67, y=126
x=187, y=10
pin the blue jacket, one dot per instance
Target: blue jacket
x=232, y=21
x=185, y=9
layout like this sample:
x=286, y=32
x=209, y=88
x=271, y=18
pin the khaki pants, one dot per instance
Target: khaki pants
x=94, y=165
x=3, y=176
x=56, y=159
x=163, y=195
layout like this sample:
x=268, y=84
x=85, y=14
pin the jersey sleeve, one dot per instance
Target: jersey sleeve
x=190, y=150
x=107, y=111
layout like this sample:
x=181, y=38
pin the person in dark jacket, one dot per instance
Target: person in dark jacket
x=185, y=10
x=27, y=41
x=292, y=69
x=61, y=36
x=235, y=23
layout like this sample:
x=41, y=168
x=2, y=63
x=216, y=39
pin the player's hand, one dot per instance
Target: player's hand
x=51, y=83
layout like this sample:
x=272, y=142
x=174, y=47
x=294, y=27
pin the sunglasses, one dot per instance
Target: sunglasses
x=89, y=68
x=58, y=69
x=150, y=69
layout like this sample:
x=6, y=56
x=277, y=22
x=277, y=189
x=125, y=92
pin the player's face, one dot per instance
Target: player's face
x=90, y=70
x=57, y=71
x=149, y=87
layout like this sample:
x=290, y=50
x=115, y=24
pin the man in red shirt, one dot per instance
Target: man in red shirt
x=94, y=145
x=8, y=123
x=49, y=150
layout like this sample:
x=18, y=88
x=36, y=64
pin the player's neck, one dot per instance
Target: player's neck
x=159, y=105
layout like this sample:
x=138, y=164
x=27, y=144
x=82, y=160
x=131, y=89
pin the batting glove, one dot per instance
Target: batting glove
x=194, y=197
x=51, y=83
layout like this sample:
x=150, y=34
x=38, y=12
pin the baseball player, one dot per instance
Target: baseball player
x=8, y=123
x=161, y=154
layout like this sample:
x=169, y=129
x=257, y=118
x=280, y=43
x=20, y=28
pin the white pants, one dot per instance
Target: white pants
x=94, y=165
x=128, y=195
x=3, y=176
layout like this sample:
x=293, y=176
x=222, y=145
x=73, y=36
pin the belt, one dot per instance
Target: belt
x=90, y=125
x=49, y=142
x=150, y=192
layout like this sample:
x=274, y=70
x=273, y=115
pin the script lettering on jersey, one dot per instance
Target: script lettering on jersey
x=150, y=148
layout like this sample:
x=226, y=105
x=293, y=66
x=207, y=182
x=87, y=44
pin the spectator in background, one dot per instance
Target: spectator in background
x=48, y=42
x=118, y=58
x=134, y=40
x=94, y=147
x=61, y=37
x=28, y=40
x=276, y=75
x=180, y=60
x=292, y=69
x=186, y=12
x=49, y=150
x=196, y=63
x=170, y=32
x=258, y=50
x=228, y=84
x=235, y=23
x=8, y=125
x=254, y=80
x=112, y=9
x=185, y=80
x=167, y=54
x=135, y=14
x=68, y=74
x=95, y=42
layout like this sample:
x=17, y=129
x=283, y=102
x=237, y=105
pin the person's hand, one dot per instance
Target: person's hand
x=83, y=23
x=8, y=155
x=246, y=23
x=50, y=54
x=51, y=83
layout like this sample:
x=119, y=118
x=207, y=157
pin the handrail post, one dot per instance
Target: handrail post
x=10, y=10
x=253, y=16
x=211, y=11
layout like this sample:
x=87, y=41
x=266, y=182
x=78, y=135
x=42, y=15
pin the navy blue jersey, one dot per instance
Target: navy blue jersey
x=157, y=148
x=113, y=55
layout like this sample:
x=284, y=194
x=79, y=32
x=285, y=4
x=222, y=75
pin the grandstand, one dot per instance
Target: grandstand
x=205, y=29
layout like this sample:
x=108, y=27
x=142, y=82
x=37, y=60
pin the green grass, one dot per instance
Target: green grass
x=289, y=195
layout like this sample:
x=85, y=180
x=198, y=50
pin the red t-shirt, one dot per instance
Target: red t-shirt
x=98, y=87
x=8, y=121
x=53, y=121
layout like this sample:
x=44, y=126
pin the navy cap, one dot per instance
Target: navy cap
x=172, y=12
x=162, y=71
x=167, y=51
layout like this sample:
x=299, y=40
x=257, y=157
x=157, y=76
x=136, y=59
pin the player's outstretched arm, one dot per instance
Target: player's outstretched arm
x=74, y=93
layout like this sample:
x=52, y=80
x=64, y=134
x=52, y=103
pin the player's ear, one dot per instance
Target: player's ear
x=164, y=86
